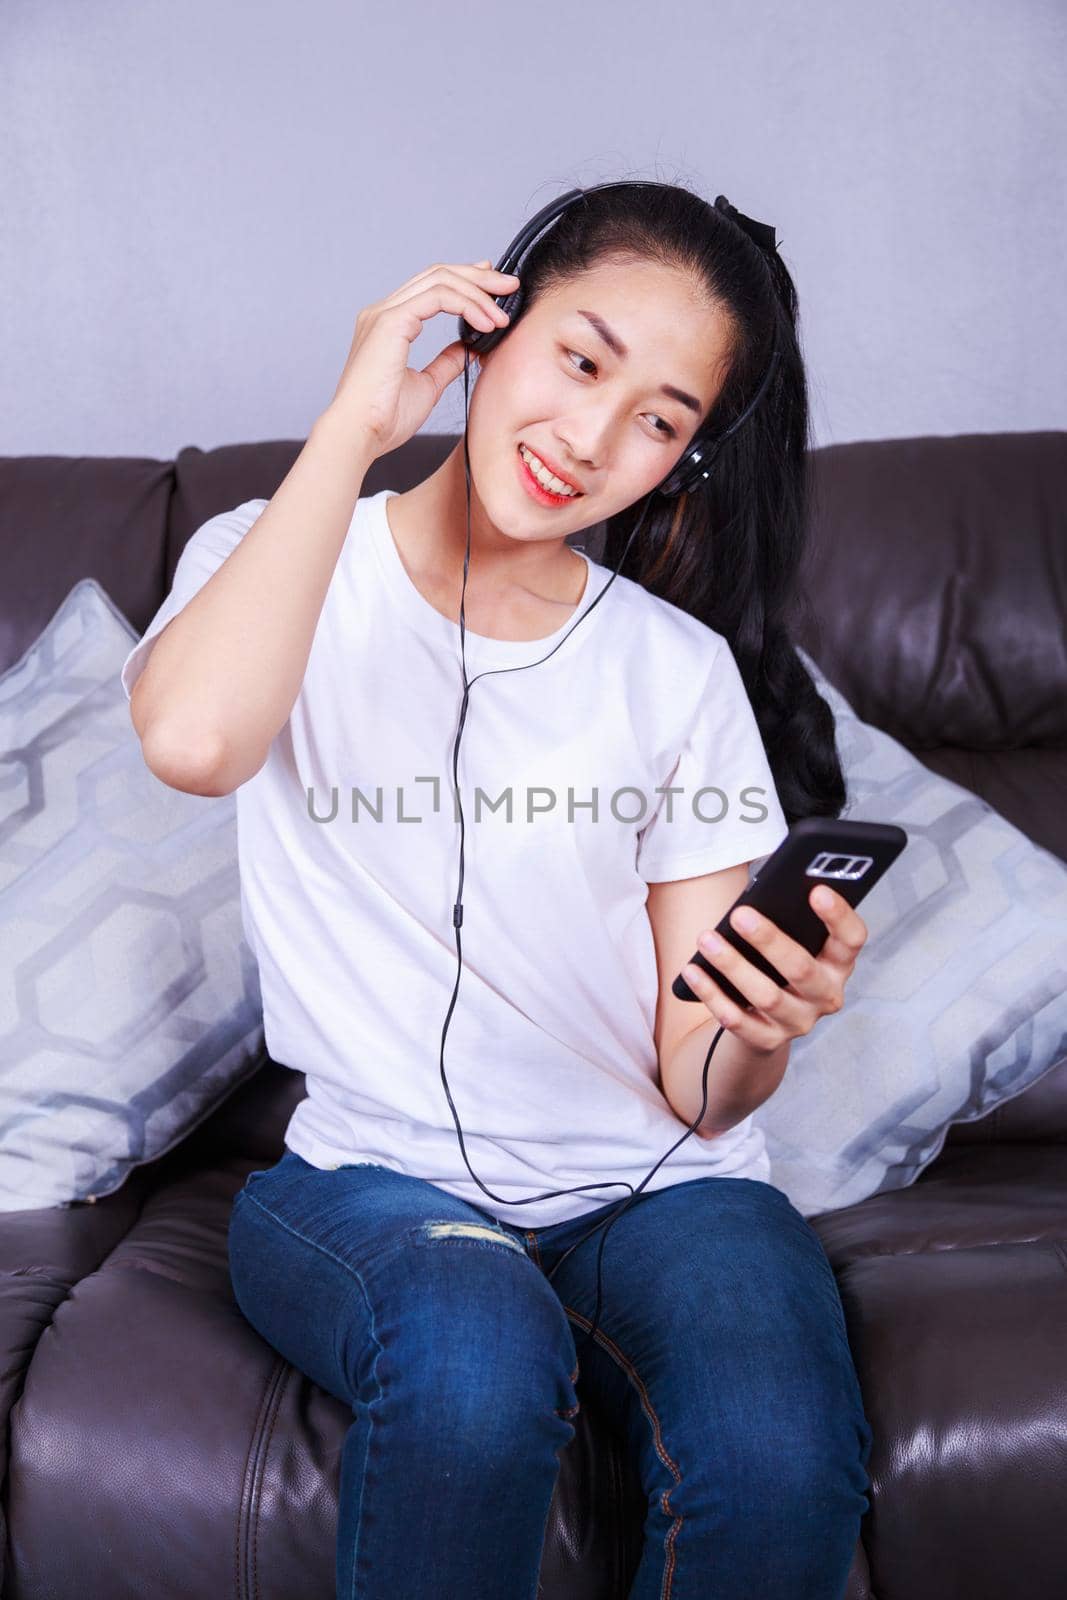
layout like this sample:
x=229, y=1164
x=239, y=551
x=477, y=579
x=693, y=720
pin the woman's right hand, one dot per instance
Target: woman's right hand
x=381, y=399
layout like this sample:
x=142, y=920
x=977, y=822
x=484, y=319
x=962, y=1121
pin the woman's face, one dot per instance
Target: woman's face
x=596, y=416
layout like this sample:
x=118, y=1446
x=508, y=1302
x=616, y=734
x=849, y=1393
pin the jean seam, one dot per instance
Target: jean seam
x=649, y=1409
x=573, y=1410
x=347, y=1267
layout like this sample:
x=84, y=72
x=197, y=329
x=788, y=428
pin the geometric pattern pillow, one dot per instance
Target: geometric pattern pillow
x=129, y=997
x=958, y=1000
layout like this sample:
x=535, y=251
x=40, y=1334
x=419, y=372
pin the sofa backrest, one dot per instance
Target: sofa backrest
x=937, y=571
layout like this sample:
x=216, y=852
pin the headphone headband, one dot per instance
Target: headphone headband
x=693, y=467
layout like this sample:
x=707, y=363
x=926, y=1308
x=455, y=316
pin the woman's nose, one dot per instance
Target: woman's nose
x=580, y=450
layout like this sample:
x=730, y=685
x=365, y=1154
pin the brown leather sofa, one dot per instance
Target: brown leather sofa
x=156, y=1448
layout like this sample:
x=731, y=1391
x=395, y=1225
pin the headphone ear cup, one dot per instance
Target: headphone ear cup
x=481, y=340
x=690, y=471
x=673, y=483
x=677, y=479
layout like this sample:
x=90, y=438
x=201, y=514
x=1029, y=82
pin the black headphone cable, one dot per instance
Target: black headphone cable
x=457, y=918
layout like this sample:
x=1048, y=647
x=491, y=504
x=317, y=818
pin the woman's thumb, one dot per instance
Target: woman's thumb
x=447, y=365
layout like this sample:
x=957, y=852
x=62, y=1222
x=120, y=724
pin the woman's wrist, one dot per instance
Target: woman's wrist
x=349, y=438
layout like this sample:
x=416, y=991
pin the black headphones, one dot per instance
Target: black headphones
x=691, y=470
x=693, y=467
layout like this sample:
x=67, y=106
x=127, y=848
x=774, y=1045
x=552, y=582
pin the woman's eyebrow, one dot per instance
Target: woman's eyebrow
x=616, y=346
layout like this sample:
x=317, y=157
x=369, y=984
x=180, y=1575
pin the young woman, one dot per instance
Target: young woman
x=308, y=658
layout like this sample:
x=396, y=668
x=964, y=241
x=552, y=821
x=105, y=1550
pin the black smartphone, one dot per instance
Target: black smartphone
x=849, y=857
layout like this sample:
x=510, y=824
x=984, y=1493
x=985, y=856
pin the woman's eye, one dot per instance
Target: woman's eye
x=582, y=358
x=667, y=431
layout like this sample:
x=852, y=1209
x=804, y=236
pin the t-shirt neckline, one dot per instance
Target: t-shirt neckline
x=432, y=624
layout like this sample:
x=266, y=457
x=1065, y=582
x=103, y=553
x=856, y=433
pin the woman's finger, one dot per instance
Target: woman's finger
x=755, y=985
x=444, y=296
x=751, y=1028
x=486, y=284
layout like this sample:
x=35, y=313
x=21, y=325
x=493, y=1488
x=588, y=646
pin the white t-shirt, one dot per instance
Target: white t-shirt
x=550, y=1054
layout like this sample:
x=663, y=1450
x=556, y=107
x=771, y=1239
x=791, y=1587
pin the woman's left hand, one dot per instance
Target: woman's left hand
x=816, y=984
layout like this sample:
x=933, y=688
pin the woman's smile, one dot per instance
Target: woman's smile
x=535, y=490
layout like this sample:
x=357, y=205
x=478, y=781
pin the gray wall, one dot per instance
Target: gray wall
x=199, y=197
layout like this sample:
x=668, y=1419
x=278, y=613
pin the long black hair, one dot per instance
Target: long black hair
x=729, y=553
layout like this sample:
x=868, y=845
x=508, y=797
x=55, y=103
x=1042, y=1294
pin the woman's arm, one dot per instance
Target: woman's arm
x=225, y=672
x=739, y=1079
x=751, y=1058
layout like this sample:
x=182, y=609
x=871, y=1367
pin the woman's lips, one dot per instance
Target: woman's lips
x=543, y=496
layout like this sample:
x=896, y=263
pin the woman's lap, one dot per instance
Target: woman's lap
x=721, y=1355
x=451, y=1349
x=322, y=1259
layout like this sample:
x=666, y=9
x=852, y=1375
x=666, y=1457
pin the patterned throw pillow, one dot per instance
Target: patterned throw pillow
x=958, y=1001
x=129, y=998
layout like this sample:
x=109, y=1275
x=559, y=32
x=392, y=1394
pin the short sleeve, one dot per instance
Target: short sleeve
x=725, y=808
x=203, y=555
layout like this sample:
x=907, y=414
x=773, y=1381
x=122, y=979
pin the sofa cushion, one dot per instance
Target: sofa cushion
x=130, y=1002
x=958, y=1001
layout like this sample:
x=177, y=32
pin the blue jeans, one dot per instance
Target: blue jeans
x=722, y=1356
